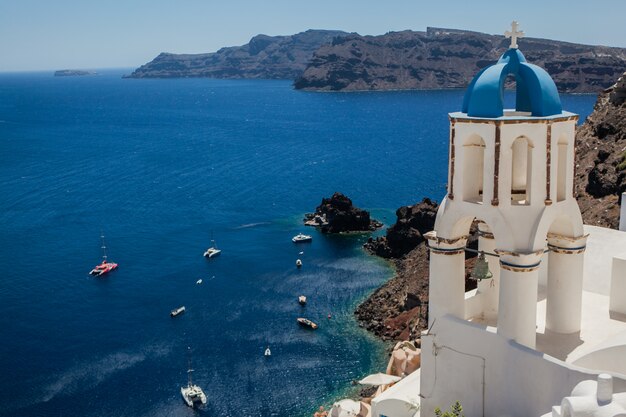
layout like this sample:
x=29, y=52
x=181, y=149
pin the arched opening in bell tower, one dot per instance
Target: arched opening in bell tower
x=521, y=170
x=473, y=169
x=561, y=172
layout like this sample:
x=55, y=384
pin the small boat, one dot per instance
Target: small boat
x=300, y=237
x=298, y=263
x=192, y=394
x=212, y=251
x=268, y=352
x=199, y=281
x=302, y=300
x=105, y=267
x=306, y=323
x=177, y=311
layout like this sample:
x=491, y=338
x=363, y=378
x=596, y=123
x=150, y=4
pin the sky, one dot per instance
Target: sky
x=86, y=34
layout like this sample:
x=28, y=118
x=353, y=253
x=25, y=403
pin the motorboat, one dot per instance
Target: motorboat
x=298, y=263
x=192, y=394
x=198, y=282
x=300, y=238
x=268, y=352
x=105, y=267
x=177, y=311
x=306, y=323
x=302, y=300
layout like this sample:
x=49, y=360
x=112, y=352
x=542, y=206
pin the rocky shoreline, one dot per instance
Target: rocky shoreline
x=398, y=310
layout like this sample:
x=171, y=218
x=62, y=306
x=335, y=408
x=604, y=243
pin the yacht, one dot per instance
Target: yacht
x=306, y=323
x=268, y=352
x=177, y=311
x=212, y=251
x=299, y=238
x=192, y=394
x=105, y=267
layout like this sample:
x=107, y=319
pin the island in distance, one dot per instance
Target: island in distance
x=72, y=73
x=326, y=60
x=269, y=57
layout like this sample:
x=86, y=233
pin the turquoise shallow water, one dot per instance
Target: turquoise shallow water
x=159, y=165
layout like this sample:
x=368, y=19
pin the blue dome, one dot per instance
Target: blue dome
x=536, y=92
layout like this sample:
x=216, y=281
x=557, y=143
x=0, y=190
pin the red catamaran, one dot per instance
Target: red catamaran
x=105, y=267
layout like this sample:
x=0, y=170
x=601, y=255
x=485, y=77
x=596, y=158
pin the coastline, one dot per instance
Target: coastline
x=379, y=357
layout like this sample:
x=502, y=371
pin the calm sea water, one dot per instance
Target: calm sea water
x=160, y=166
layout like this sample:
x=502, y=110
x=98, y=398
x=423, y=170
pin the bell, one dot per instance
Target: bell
x=481, y=269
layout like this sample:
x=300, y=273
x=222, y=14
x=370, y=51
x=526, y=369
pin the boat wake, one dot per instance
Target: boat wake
x=249, y=225
x=86, y=376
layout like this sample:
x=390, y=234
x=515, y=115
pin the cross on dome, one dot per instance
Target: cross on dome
x=514, y=34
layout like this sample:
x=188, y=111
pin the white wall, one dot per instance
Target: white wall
x=622, y=215
x=617, y=296
x=490, y=375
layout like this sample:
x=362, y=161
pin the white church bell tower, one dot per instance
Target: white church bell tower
x=512, y=170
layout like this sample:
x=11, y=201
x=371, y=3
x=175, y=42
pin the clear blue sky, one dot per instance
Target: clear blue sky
x=57, y=34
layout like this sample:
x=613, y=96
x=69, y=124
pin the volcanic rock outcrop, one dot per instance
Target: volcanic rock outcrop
x=408, y=231
x=337, y=214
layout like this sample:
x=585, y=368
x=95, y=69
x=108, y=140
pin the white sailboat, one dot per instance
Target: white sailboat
x=213, y=250
x=192, y=394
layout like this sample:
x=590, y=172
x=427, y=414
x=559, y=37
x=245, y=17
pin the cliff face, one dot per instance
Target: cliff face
x=399, y=309
x=408, y=231
x=601, y=158
x=447, y=58
x=277, y=57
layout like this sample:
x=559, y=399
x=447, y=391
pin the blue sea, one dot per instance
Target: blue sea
x=160, y=167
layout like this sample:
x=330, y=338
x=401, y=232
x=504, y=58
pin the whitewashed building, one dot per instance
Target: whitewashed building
x=546, y=334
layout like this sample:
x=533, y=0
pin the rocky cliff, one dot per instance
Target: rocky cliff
x=398, y=310
x=601, y=158
x=448, y=58
x=408, y=231
x=277, y=57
